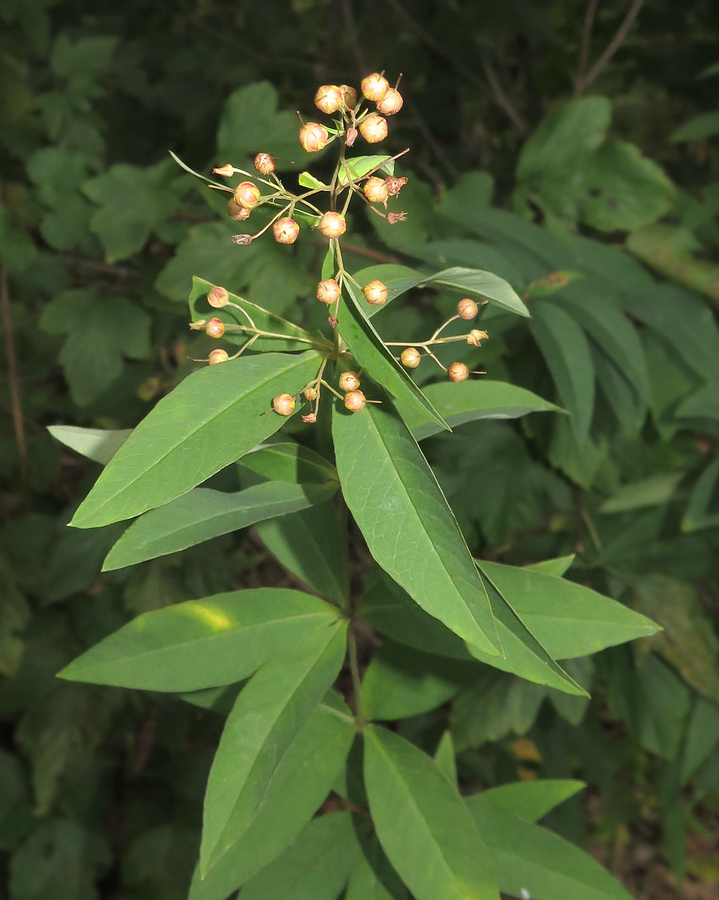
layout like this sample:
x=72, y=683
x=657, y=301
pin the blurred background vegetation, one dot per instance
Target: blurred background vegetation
x=572, y=147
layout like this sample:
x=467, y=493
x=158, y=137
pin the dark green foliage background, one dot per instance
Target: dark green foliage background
x=100, y=233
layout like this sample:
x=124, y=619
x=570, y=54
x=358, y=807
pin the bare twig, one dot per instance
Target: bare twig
x=13, y=380
x=611, y=49
x=583, y=61
x=351, y=29
x=502, y=101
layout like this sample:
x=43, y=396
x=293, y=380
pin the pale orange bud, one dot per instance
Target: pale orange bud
x=374, y=86
x=391, y=103
x=265, y=163
x=218, y=297
x=246, y=194
x=284, y=404
x=237, y=212
x=349, y=381
x=311, y=418
x=475, y=337
x=332, y=224
x=410, y=357
x=328, y=291
x=355, y=401
x=286, y=231
x=215, y=328
x=467, y=308
x=351, y=136
x=225, y=170
x=375, y=292
x=373, y=129
x=217, y=356
x=349, y=95
x=458, y=372
x=375, y=190
x=329, y=98
x=313, y=137
x=310, y=393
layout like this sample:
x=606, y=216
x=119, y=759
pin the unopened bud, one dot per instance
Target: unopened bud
x=286, y=231
x=265, y=163
x=375, y=292
x=310, y=418
x=349, y=96
x=349, y=381
x=458, y=372
x=313, y=137
x=375, y=190
x=355, y=401
x=329, y=98
x=410, y=357
x=236, y=212
x=328, y=291
x=217, y=356
x=225, y=171
x=246, y=194
x=467, y=308
x=333, y=321
x=218, y=297
x=394, y=184
x=351, y=136
x=284, y=404
x=394, y=217
x=310, y=393
x=391, y=103
x=198, y=325
x=475, y=336
x=215, y=328
x=374, y=87
x=242, y=239
x=332, y=224
x=373, y=129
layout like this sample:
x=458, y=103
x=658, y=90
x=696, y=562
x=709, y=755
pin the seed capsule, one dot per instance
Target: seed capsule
x=215, y=328
x=395, y=184
x=332, y=224
x=310, y=393
x=373, y=129
x=313, y=137
x=246, y=194
x=375, y=190
x=284, y=404
x=349, y=96
x=328, y=291
x=375, y=292
x=374, y=86
x=475, y=336
x=355, y=401
x=225, y=170
x=217, y=356
x=467, y=308
x=265, y=163
x=349, y=381
x=458, y=372
x=218, y=297
x=286, y=231
x=311, y=418
x=236, y=212
x=329, y=98
x=410, y=357
x=391, y=103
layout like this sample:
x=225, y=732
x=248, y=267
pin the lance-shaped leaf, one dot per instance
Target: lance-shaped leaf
x=702, y=509
x=373, y=877
x=472, y=400
x=211, y=419
x=371, y=353
x=204, y=643
x=265, y=720
x=360, y=166
x=291, y=462
x=533, y=860
x=97, y=444
x=295, y=338
x=422, y=823
x=528, y=800
x=568, y=619
x=394, y=497
x=300, y=783
x=203, y=514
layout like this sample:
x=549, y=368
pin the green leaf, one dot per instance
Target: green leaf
x=702, y=736
x=492, y=708
x=297, y=338
x=556, y=567
x=566, y=352
x=481, y=284
x=360, y=166
x=203, y=643
x=16, y=817
x=703, y=509
x=300, y=783
x=373, y=877
x=315, y=867
x=472, y=400
x=697, y=129
x=542, y=864
x=98, y=444
x=702, y=404
x=100, y=330
x=369, y=350
x=654, y=491
x=290, y=462
x=266, y=718
x=530, y=801
x=203, y=514
x=308, y=180
x=444, y=758
x=568, y=619
x=393, y=495
x=211, y=419
x=422, y=823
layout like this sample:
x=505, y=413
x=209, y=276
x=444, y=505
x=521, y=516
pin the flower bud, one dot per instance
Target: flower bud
x=329, y=98
x=375, y=190
x=458, y=372
x=217, y=356
x=265, y=163
x=375, y=292
x=410, y=357
x=236, y=212
x=242, y=239
x=349, y=96
x=311, y=418
x=310, y=393
x=333, y=321
x=351, y=136
x=284, y=404
x=328, y=291
x=218, y=297
x=225, y=170
x=246, y=194
x=374, y=86
x=313, y=137
x=286, y=231
x=349, y=381
x=391, y=103
x=355, y=401
x=394, y=184
x=215, y=328
x=475, y=336
x=332, y=224
x=373, y=129
x=467, y=308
